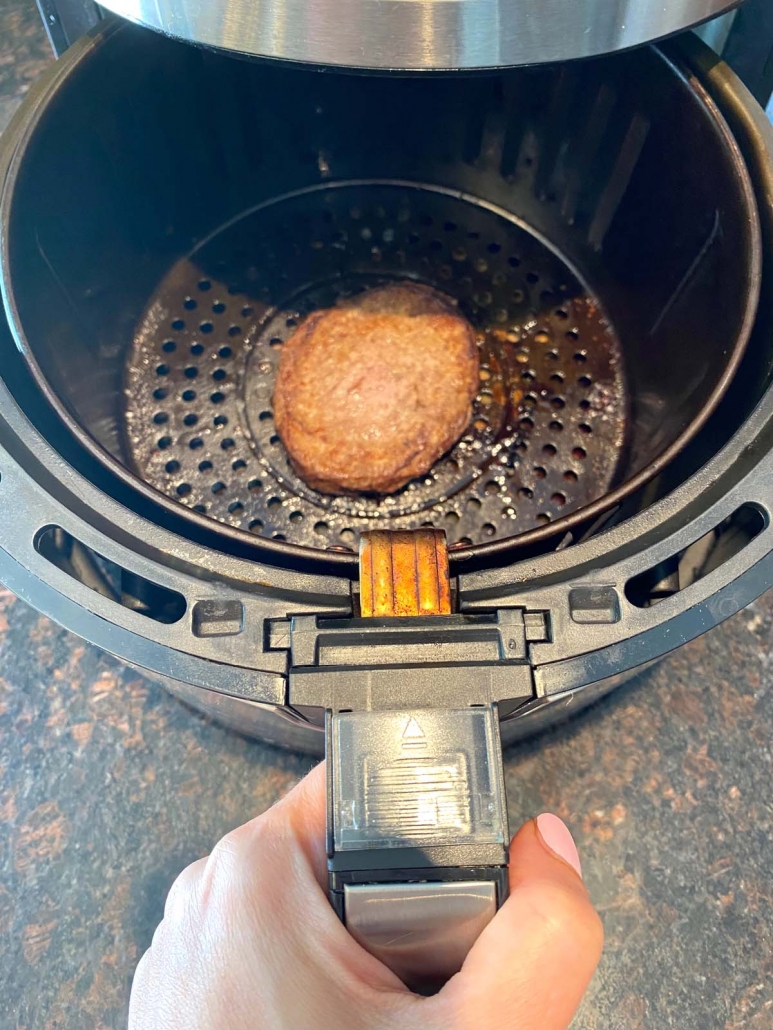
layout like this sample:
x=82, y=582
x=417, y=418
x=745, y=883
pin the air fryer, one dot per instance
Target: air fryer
x=170, y=214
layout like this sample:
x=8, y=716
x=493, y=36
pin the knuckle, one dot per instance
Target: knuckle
x=566, y=913
x=142, y=973
x=226, y=850
x=158, y=941
x=254, y=836
x=183, y=889
x=242, y=852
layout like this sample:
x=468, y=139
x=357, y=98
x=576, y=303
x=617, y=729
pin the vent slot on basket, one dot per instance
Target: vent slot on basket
x=695, y=562
x=107, y=578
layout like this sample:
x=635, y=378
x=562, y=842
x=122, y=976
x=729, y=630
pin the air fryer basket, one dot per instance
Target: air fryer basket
x=127, y=179
x=180, y=211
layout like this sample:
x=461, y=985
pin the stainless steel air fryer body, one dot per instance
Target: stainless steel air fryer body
x=420, y=35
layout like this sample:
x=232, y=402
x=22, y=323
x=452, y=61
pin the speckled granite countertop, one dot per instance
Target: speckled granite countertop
x=108, y=787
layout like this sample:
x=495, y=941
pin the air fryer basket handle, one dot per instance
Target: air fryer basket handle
x=417, y=833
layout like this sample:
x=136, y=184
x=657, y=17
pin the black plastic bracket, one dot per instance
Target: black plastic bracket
x=445, y=661
x=749, y=47
x=68, y=20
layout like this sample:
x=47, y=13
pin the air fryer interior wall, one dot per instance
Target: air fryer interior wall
x=617, y=164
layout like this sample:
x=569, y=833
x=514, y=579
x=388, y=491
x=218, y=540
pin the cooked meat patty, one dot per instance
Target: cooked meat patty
x=370, y=394
x=402, y=298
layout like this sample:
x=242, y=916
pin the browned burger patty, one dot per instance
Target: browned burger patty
x=370, y=394
x=401, y=299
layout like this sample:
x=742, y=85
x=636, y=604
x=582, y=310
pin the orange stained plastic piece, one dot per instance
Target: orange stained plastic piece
x=404, y=573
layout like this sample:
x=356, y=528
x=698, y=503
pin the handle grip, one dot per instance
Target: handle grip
x=417, y=833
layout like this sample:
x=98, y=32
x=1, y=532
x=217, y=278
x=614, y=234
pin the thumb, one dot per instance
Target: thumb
x=529, y=968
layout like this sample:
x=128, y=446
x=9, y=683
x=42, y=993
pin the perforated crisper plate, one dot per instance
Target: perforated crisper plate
x=549, y=422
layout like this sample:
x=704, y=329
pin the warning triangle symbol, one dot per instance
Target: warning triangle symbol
x=413, y=731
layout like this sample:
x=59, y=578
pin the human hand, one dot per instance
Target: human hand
x=249, y=941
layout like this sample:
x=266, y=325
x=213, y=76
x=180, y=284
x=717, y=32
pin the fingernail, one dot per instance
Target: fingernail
x=557, y=837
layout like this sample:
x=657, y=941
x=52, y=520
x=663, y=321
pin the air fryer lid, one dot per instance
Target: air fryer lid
x=420, y=34
x=595, y=223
